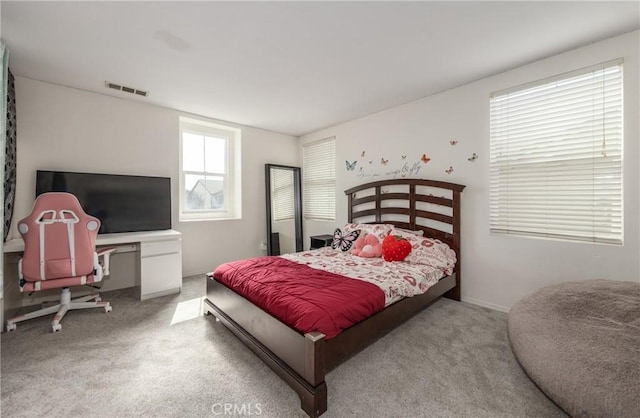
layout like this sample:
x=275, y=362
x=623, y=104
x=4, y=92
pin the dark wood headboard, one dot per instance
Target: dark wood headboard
x=416, y=204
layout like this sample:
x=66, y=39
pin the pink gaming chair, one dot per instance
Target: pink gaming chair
x=59, y=252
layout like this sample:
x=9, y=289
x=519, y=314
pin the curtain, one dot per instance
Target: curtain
x=3, y=83
x=9, y=94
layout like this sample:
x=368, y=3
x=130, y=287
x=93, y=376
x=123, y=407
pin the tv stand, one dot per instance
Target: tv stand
x=159, y=254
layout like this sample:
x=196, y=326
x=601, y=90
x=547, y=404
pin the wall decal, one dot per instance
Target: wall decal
x=449, y=170
x=453, y=142
x=473, y=157
x=388, y=168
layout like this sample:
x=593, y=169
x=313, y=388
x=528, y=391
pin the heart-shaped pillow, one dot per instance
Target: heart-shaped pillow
x=395, y=248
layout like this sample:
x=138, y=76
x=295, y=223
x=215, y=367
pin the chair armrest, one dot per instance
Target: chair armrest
x=107, y=250
x=105, y=253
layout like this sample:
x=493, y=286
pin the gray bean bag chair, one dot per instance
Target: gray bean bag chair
x=580, y=343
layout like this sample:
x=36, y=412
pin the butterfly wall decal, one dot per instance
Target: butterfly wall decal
x=453, y=142
x=344, y=241
x=449, y=170
x=362, y=154
x=425, y=159
x=351, y=166
x=473, y=157
x=370, y=162
x=383, y=161
x=404, y=157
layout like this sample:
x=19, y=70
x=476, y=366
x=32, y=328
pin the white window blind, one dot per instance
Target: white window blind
x=556, y=157
x=319, y=177
x=282, y=192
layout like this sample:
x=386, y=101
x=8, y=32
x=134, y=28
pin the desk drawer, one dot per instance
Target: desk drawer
x=160, y=274
x=148, y=249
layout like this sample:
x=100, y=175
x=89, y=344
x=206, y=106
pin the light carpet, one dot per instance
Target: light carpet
x=160, y=358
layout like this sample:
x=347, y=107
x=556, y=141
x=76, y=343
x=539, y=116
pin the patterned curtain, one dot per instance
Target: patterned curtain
x=10, y=151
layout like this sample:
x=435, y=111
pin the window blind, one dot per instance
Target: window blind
x=319, y=178
x=556, y=157
x=283, y=203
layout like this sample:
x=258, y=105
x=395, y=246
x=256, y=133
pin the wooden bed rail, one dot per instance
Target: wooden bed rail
x=298, y=359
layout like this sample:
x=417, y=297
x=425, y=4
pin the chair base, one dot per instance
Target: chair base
x=66, y=304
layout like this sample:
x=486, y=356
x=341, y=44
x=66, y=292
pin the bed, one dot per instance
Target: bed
x=303, y=359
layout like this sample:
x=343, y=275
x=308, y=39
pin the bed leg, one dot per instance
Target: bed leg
x=315, y=404
x=455, y=293
x=314, y=358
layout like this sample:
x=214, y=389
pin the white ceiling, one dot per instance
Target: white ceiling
x=293, y=67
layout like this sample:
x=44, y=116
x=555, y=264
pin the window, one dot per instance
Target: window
x=319, y=177
x=210, y=185
x=556, y=157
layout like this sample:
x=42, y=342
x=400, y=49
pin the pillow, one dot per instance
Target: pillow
x=379, y=230
x=395, y=248
x=367, y=246
x=431, y=252
x=344, y=240
x=404, y=232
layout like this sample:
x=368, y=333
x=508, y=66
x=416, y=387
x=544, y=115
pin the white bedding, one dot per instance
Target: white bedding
x=396, y=279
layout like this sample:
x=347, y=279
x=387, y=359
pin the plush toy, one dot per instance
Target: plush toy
x=367, y=246
x=395, y=248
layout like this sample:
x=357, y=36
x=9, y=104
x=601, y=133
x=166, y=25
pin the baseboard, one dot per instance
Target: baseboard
x=186, y=274
x=486, y=304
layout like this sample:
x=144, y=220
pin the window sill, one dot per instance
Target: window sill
x=227, y=218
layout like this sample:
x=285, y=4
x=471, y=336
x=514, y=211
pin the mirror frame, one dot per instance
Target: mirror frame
x=297, y=198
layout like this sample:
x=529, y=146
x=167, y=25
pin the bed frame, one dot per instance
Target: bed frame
x=302, y=361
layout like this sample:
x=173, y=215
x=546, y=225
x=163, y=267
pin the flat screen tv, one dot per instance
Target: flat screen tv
x=122, y=203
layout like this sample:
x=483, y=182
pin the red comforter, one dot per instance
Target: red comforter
x=302, y=297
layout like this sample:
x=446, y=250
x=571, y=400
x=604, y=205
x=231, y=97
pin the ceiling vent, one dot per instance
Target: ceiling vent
x=126, y=89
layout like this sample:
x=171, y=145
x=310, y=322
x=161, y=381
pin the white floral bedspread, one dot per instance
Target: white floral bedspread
x=396, y=279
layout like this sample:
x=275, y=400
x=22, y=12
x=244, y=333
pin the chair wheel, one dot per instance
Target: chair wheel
x=11, y=327
x=108, y=308
x=56, y=327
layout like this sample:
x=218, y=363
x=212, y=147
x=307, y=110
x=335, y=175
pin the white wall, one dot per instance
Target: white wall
x=61, y=128
x=497, y=270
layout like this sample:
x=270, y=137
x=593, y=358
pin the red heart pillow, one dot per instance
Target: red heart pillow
x=395, y=248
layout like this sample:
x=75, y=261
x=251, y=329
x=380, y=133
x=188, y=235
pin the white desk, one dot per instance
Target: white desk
x=160, y=258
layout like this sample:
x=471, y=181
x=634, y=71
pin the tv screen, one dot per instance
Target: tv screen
x=122, y=203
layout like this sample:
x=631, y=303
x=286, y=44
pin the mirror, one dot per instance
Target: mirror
x=284, y=209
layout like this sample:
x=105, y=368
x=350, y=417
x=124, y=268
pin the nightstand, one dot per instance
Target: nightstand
x=319, y=241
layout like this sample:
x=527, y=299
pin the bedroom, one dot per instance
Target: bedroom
x=135, y=137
